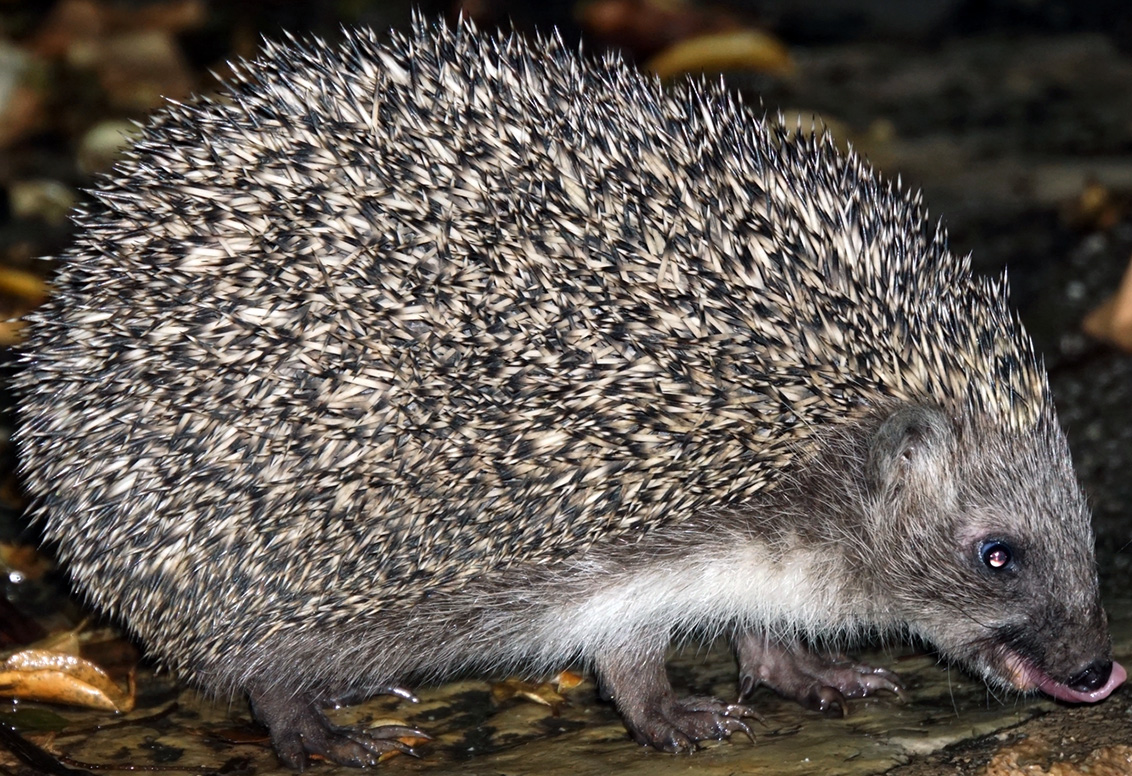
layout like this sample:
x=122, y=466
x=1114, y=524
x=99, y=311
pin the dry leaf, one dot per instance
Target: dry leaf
x=21, y=114
x=735, y=50
x=29, y=290
x=69, y=30
x=567, y=680
x=406, y=740
x=1096, y=209
x=140, y=69
x=11, y=333
x=644, y=27
x=1111, y=321
x=25, y=559
x=542, y=692
x=57, y=677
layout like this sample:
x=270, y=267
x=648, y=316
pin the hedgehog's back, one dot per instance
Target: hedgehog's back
x=399, y=317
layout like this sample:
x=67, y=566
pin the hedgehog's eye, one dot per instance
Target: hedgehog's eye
x=996, y=555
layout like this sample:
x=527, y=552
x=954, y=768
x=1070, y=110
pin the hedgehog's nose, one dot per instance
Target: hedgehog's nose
x=1093, y=677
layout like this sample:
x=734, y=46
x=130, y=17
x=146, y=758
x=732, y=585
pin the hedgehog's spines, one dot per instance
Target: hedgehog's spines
x=407, y=293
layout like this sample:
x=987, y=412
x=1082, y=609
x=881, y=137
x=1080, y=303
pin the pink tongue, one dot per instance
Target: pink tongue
x=1065, y=693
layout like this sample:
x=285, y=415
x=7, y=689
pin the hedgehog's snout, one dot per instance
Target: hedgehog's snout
x=1093, y=677
x=1091, y=683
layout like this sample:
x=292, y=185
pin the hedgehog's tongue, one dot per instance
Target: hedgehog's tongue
x=1033, y=677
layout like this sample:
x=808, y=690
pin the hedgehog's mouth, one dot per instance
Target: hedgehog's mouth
x=1025, y=676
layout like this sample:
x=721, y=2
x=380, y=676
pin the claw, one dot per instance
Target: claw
x=745, y=729
x=653, y=714
x=400, y=746
x=680, y=725
x=828, y=700
x=299, y=728
x=746, y=687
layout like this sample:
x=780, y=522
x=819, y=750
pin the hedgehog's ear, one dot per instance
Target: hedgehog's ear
x=910, y=454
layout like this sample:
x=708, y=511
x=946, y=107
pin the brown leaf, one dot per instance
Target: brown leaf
x=1096, y=209
x=11, y=333
x=735, y=50
x=15, y=282
x=567, y=680
x=174, y=16
x=644, y=27
x=1111, y=321
x=542, y=692
x=140, y=68
x=57, y=677
x=21, y=114
x=25, y=559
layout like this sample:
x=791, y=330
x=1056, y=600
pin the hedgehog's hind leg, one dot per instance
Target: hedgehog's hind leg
x=299, y=728
x=815, y=681
x=638, y=684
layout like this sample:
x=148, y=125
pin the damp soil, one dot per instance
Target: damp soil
x=944, y=723
x=1003, y=132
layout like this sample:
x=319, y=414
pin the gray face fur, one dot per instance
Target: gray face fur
x=946, y=494
x=461, y=351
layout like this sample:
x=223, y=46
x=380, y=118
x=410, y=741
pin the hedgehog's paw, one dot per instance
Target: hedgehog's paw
x=817, y=682
x=299, y=729
x=678, y=725
x=355, y=747
x=635, y=679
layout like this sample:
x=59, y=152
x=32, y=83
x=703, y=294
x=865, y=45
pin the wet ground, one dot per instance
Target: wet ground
x=946, y=723
x=1003, y=133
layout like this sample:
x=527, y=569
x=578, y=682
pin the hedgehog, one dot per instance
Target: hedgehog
x=462, y=352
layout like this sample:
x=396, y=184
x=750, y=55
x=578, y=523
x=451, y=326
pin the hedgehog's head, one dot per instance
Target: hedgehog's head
x=985, y=549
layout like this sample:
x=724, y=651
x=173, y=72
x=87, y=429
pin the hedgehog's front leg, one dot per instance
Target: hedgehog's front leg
x=299, y=728
x=636, y=681
x=815, y=681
